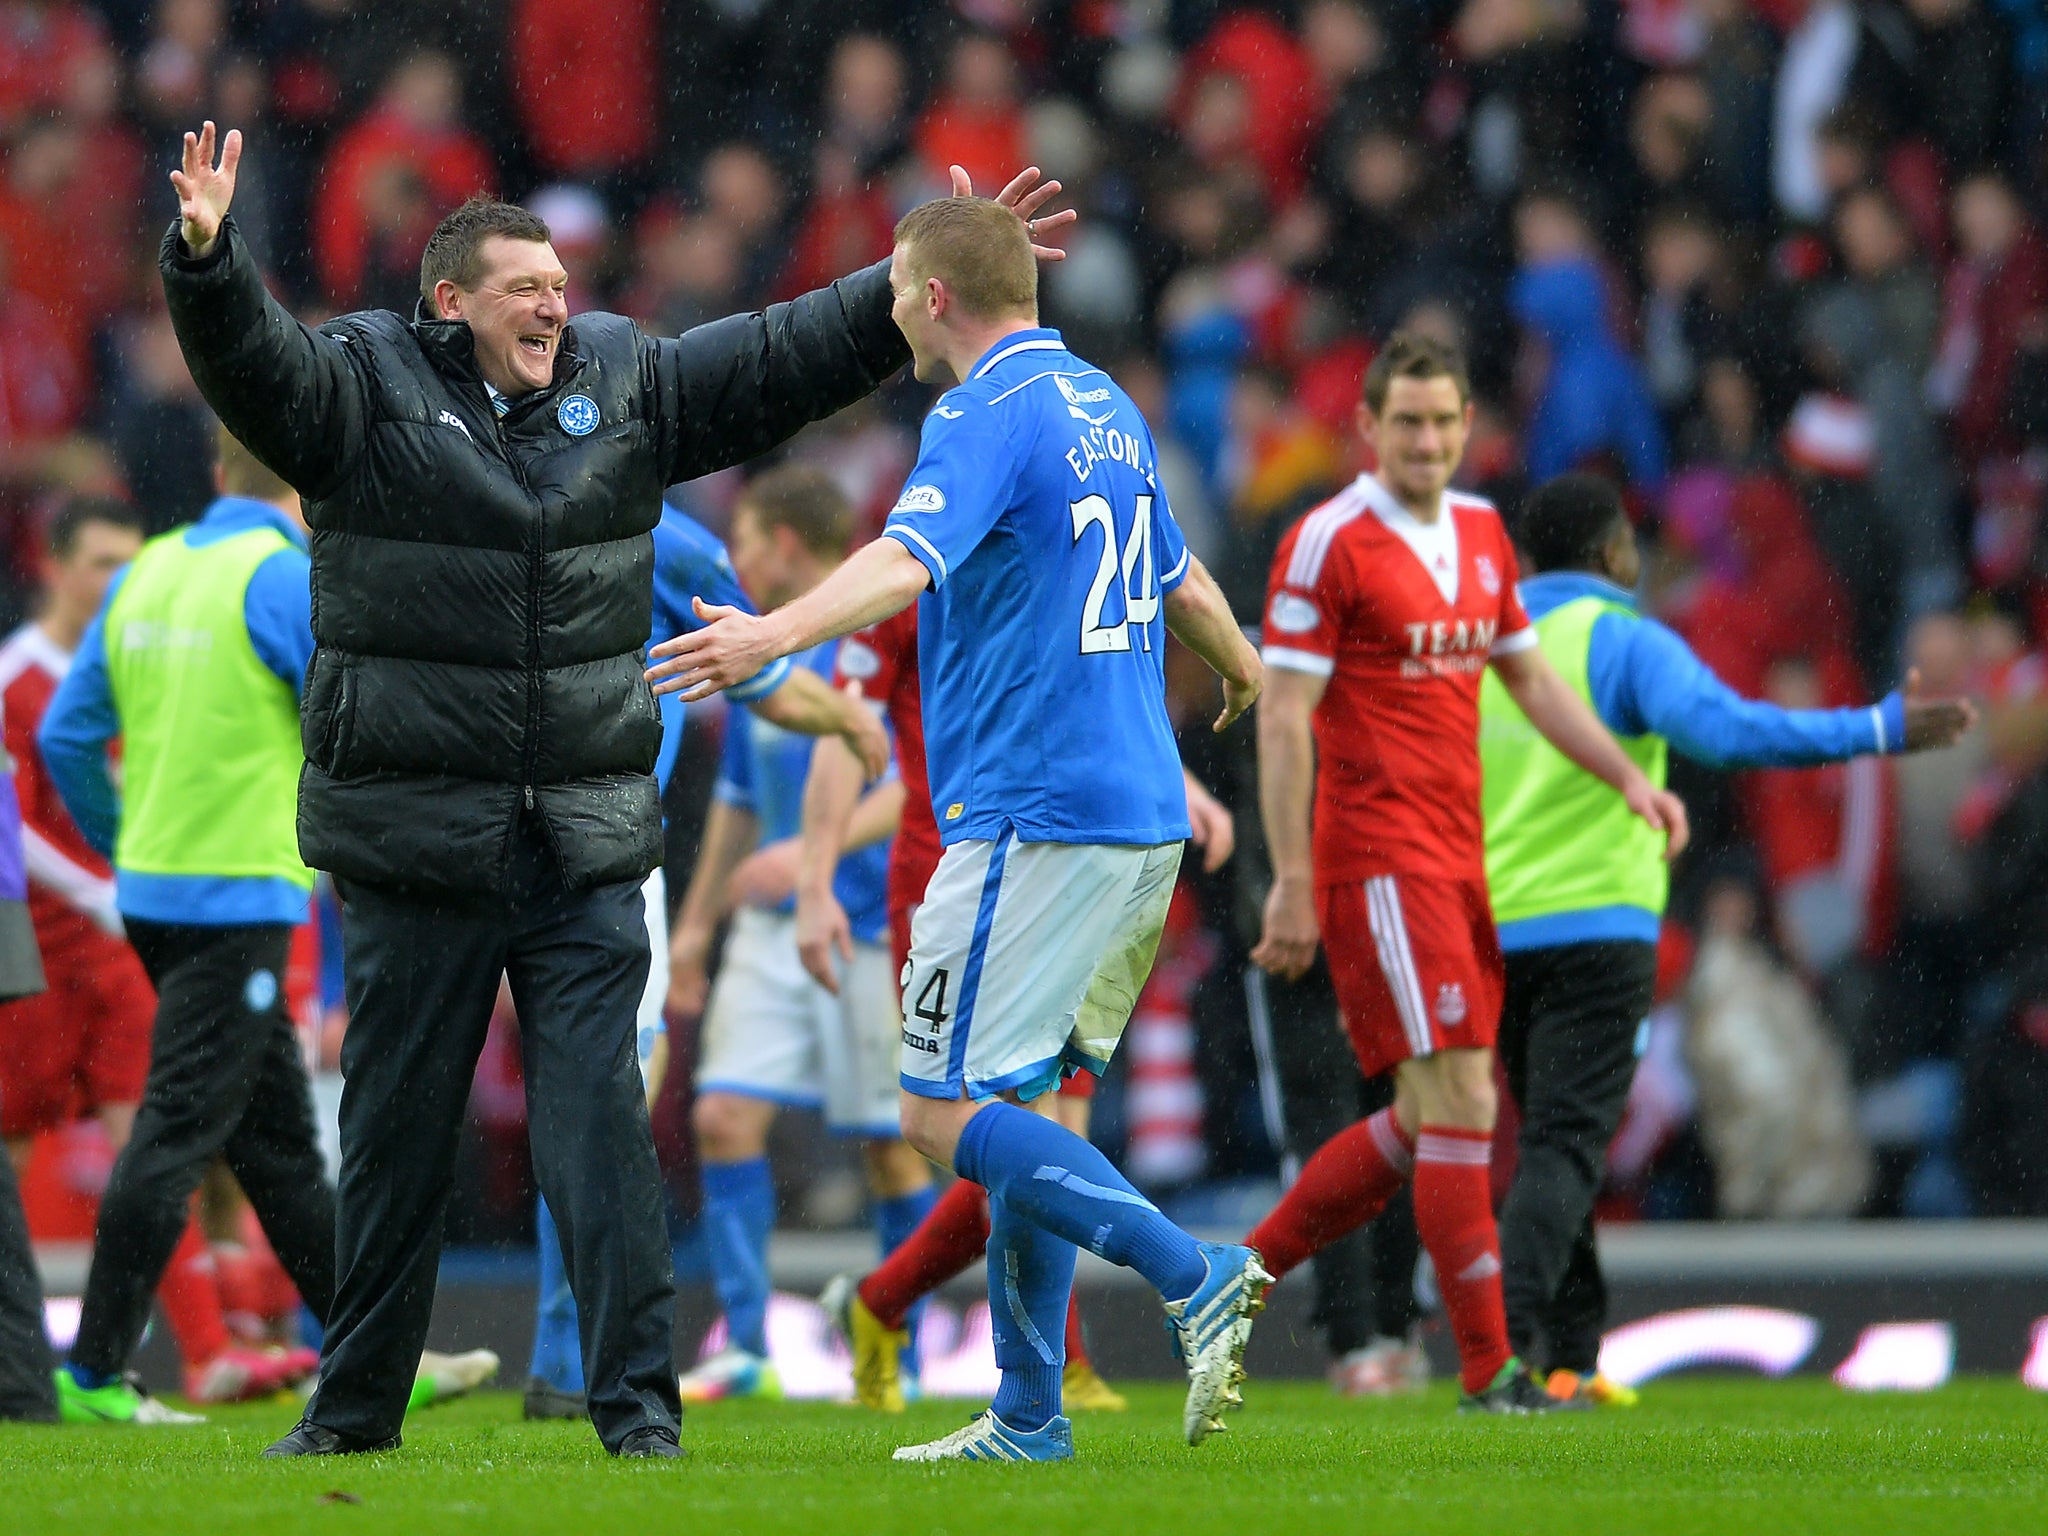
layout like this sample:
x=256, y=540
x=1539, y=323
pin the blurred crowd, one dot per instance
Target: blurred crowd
x=1776, y=265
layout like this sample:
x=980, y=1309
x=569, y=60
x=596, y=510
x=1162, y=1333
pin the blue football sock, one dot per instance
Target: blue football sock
x=1030, y=1275
x=557, y=1352
x=88, y=1378
x=739, y=1213
x=1050, y=1176
x=895, y=1219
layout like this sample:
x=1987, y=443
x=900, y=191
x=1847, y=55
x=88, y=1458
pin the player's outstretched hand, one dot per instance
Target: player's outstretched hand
x=205, y=189
x=1215, y=829
x=1664, y=811
x=1025, y=195
x=1287, y=944
x=822, y=931
x=731, y=647
x=1932, y=724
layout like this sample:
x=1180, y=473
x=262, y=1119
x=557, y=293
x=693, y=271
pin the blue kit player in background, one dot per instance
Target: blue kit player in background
x=1050, y=569
x=689, y=562
x=772, y=1036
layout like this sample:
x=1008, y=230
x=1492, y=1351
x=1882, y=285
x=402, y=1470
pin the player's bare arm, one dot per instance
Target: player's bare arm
x=767, y=877
x=1287, y=781
x=1570, y=725
x=729, y=833
x=810, y=706
x=822, y=928
x=1201, y=620
x=879, y=580
x=1215, y=829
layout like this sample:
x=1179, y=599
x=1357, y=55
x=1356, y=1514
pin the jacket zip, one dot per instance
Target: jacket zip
x=528, y=752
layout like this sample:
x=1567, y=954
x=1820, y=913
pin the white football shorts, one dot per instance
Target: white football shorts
x=649, y=1024
x=771, y=1032
x=1026, y=960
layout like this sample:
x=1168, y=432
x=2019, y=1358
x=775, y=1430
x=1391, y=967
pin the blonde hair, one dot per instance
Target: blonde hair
x=979, y=249
x=243, y=474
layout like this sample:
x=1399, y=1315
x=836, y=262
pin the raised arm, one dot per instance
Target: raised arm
x=286, y=391
x=1201, y=620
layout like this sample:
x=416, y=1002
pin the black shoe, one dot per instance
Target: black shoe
x=650, y=1440
x=1514, y=1390
x=546, y=1401
x=310, y=1439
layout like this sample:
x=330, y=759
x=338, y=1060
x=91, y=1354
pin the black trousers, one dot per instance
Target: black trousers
x=1310, y=1088
x=1568, y=1044
x=225, y=1078
x=26, y=1391
x=422, y=977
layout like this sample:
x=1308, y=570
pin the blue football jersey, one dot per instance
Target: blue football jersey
x=1036, y=508
x=690, y=562
x=763, y=771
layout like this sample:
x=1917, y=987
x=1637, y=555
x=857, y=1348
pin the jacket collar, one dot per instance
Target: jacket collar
x=1553, y=589
x=450, y=346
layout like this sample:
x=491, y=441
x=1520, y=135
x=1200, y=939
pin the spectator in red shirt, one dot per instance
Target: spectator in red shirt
x=1995, y=294
x=415, y=124
x=68, y=205
x=42, y=42
x=977, y=118
x=583, y=74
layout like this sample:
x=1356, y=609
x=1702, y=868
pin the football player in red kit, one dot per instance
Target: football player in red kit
x=1385, y=606
x=872, y=1312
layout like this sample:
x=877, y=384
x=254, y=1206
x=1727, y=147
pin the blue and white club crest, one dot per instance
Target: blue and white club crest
x=578, y=415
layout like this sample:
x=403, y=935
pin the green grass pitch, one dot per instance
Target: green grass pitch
x=1701, y=1455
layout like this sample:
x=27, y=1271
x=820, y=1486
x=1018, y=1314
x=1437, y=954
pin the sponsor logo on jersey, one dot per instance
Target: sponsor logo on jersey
x=1076, y=398
x=1450, y=1005
x=1293, y=615
x=1448, y=647
x=1489, y=574
x=857, y=659
x=578, y=415
x=450, y=419
x=946, y=412
x=921, y=498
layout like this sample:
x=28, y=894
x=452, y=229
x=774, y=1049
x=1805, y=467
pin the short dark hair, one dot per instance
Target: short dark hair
x=1566, y=522
x=806, y=501
x=1412, y=355
x=454, y=249
x=74, y=512
x=979, y=249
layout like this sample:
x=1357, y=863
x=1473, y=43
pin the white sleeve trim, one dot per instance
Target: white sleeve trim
x=1515, y=644
x=1288, y=659
x=1877, y=720
x=48, y=866
x=1179, y=570
x=909, y=536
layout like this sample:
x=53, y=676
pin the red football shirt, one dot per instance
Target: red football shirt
x=883, y=659
x=1402, y=617
x=65, y=874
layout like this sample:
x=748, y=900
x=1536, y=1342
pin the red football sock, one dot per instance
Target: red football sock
x=1454, y=1218
x=190, y=1293
x=1077, y=1347
x=1351, y=1177
x=945, y=1242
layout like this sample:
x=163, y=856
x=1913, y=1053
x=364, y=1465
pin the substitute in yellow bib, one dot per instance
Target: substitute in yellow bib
x=1578, y=884
x=195, y=663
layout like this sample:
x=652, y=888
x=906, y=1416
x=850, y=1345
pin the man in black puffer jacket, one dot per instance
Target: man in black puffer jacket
x=482, y=483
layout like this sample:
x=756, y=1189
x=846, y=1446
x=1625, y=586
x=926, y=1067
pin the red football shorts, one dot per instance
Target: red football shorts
x=1416, y=964
x=82, y=1043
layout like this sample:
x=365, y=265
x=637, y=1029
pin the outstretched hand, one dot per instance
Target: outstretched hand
x=204, y=188
x=1934, y=723
x=731, y=647
x=1024, y=196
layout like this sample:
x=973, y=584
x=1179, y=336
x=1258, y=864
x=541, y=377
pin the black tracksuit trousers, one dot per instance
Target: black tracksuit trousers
x=1568, y=1041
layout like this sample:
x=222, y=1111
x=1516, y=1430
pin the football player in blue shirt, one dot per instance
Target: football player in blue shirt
x=689, y=562
x=1035, y=534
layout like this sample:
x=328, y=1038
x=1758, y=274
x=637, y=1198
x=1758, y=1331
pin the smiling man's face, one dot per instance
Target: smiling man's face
x=516, y=312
